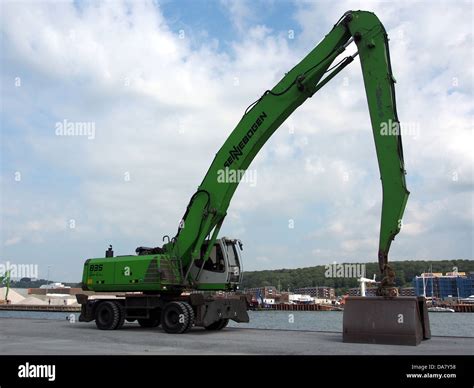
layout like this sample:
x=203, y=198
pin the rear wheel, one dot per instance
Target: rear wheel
x=218, y=325
x=177, y=318
x=108, y=315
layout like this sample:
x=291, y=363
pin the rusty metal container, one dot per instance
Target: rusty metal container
x=382, y=320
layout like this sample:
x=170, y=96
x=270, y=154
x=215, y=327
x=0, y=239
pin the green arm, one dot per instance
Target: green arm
x=208, y=206
x=372, y=44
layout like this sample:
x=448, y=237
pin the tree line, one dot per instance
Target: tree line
x=289, y=279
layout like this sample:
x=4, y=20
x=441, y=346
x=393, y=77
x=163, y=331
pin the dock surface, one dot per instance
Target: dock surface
x=43, y=336
x=29, y=307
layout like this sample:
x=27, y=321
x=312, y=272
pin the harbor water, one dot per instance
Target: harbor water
x=442, y=324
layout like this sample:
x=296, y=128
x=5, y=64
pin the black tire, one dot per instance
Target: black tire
x=191, y=316
x=131, y=320
x=217, y=325
x=176, y=318
x=153, y=321
x=122, y=315
x=108, y=315
x=224, y=324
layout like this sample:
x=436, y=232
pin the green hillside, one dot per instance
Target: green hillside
x=315, y=276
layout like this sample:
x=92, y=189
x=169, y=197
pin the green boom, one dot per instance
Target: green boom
x=208, y=206
x=168, y=268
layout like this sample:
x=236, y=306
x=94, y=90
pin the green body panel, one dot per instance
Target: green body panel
x=208, y=206
x=132, y=273
x=215, y=287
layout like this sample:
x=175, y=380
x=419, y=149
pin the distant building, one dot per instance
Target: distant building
x=64, y=290
x=451, y=285
x=372, y=291
x=407, y=291
x=369, y=291
x=317, y=292
x=268, y=292
x=284, y=297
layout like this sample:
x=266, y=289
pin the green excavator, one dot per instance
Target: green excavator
x=167, y=285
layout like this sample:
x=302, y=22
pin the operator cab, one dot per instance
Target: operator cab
x=223, y=266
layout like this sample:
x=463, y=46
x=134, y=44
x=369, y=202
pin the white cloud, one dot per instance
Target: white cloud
x=263, y=259
x=13, y=240
x=240, y=12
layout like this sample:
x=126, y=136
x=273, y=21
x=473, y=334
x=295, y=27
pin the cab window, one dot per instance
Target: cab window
x=215, y=262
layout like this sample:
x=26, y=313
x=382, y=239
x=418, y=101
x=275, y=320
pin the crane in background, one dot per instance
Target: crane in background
x=5, y=280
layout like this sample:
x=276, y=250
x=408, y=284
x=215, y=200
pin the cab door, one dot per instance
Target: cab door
x=214, y=272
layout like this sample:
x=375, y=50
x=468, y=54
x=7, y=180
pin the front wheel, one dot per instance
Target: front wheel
x=109, y=315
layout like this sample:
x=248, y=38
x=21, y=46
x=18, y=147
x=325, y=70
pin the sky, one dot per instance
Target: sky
x=161, y=84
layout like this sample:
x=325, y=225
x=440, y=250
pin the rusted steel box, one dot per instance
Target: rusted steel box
x=402, y=320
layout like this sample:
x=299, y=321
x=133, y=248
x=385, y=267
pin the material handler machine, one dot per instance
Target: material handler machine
x=176, y=285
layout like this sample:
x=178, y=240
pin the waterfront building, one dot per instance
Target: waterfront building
x=437, y=285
